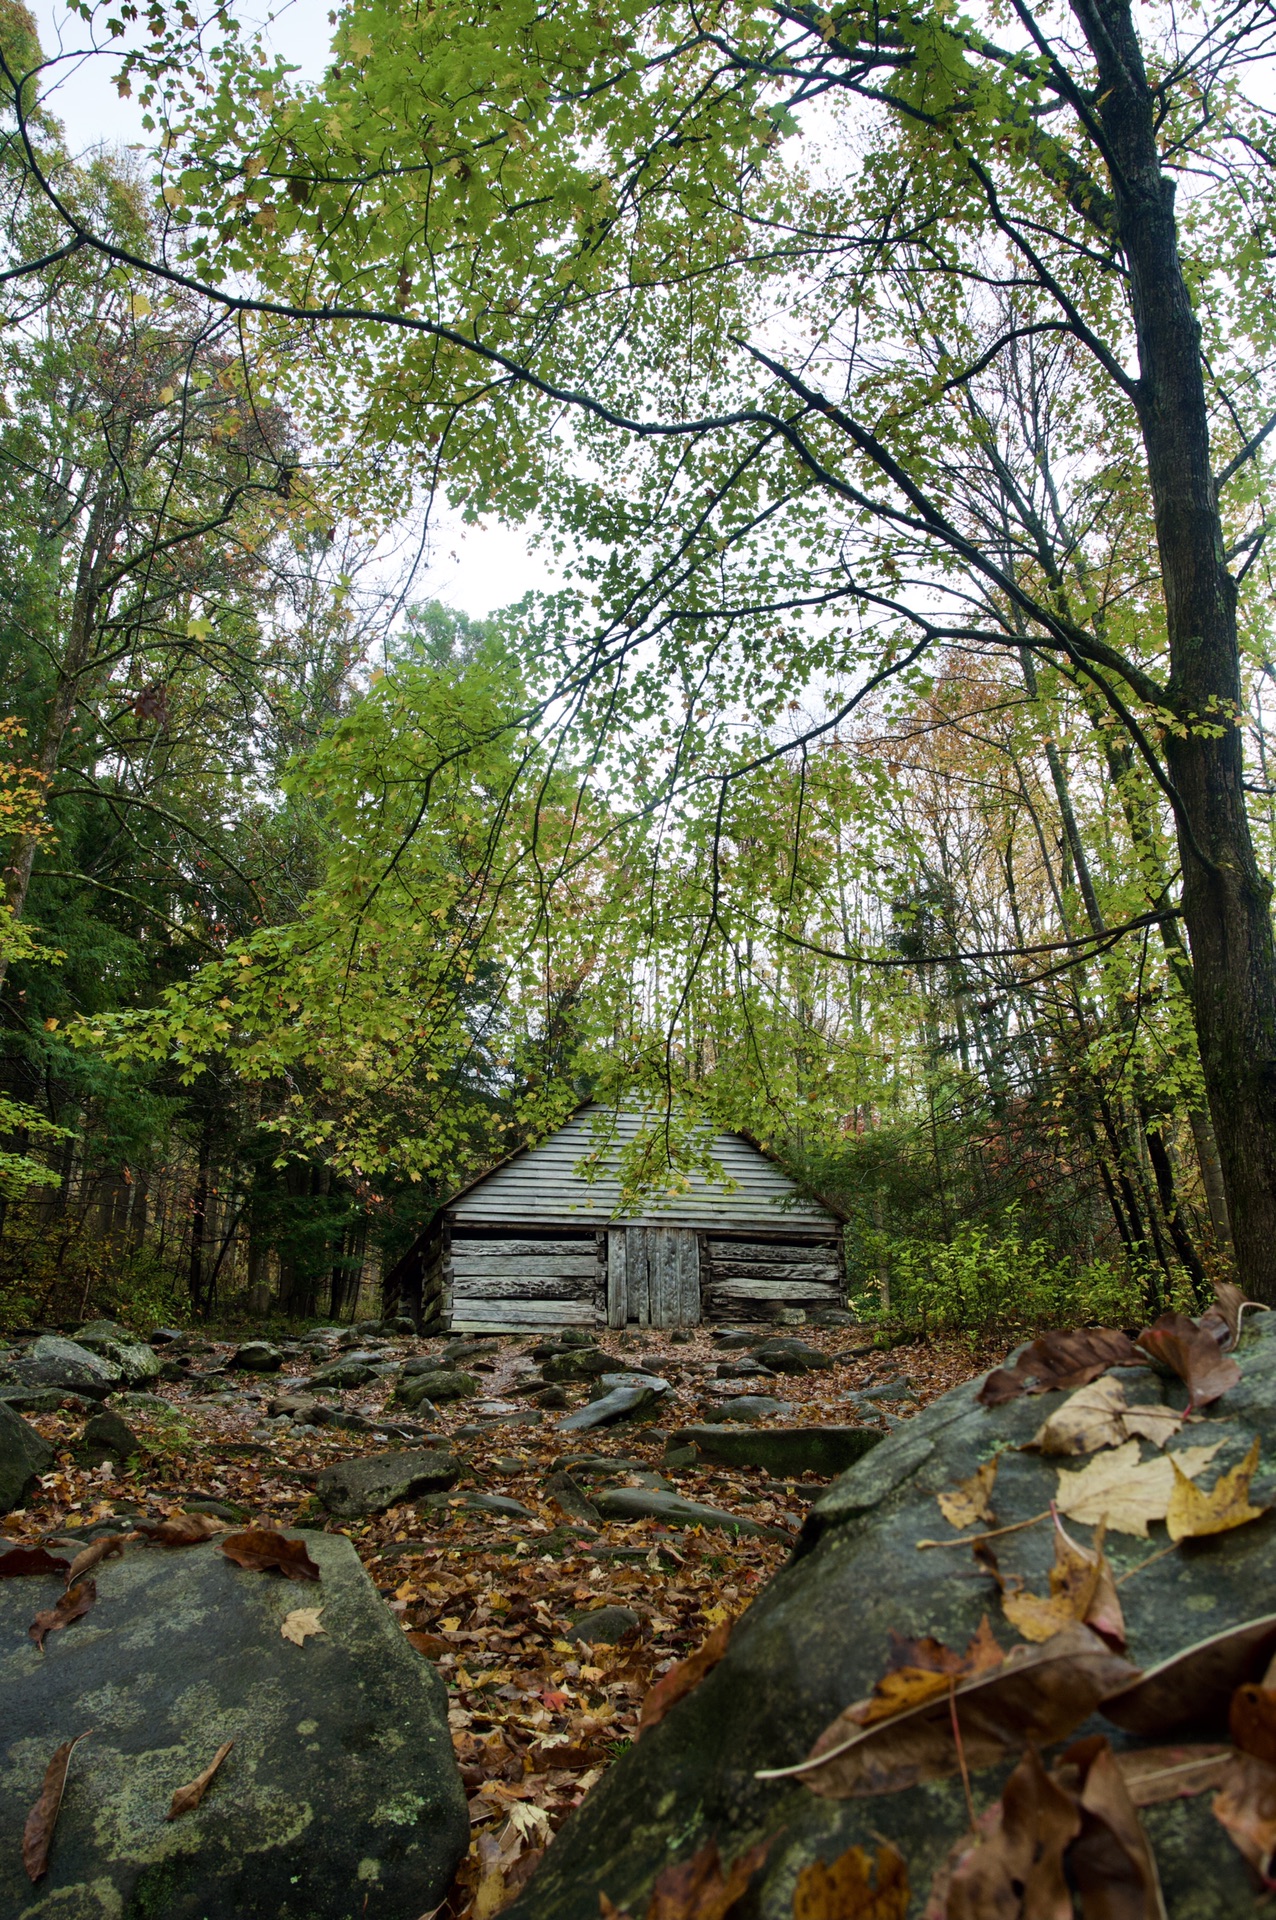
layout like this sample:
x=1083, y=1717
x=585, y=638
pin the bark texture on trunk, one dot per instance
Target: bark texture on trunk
x=1226, y=899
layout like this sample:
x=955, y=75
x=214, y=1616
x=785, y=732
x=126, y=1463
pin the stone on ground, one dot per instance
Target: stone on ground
x=257, y=1356
x=747, y=1407
x=340, y=1789
x=587, y=1364
x=792, y=1356
x=604, y=1626
x=135, y=1358
x=781, y=1450
x=372, y=1482
x=52, y=1361
x=818, y=1638
x=617, y=1403
x=106, y=1437
x=568, y=1495
x=650, y=1503
x=441, y=1385
x=352, y=1371
x=23, y=1455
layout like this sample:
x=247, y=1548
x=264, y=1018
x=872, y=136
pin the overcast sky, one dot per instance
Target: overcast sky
x=492, y=567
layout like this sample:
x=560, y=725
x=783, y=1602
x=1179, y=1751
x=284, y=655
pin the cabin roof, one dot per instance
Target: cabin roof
x=540, y=1184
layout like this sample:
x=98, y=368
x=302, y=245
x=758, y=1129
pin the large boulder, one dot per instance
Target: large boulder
x=374, y=1482
x=136, y=1360
x=818, y=1638
x=65, y=1365
x=340, y=1787
x=23, y=1455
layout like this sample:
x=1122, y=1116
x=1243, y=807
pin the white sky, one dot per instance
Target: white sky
x=475, y=569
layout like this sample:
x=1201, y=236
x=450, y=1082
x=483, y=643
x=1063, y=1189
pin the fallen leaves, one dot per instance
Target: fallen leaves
x=920, y=1669
x=37, y=1834
x=682, y=1678
x=1059, y=1360
x=301, y=1623
x=261, y=1548
x=1194, y=1687
x=1013, y=1865
x=71, y=1605
x=1245, y=1807
x=1223, y=1320
x=18, y=1562
x=698, y=1889
x=970, y=1500
x=1082, y=1589
x=187, y=1798
x=181, y=1529
x=855, y=1886
x=105, y=1547
x=1192, y=1513
x=1126, y=1492
x=1110, y=1863
x=1097, y=1416
x=1193, y=1354
x=1037, y=1695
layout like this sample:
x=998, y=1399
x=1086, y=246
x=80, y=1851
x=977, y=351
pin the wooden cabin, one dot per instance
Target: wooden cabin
x=534, y=1244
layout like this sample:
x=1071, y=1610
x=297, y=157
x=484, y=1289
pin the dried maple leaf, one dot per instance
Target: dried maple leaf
x=1192, y=1513
x=921, y=1669
x=968, y=1501
x=1193, y=1690
x=855, y=1886
x=1014, y=1865
x=260, y=1548
x=1097, y=1416
x=300, y=1622
x=1222, y=1321
x=1156, y=1774
x=103, y=1548
x=1059, y=1360
x=181, y=1529
x=187, y=1798
x=680, y=1680
x=1246, y=1807
x=71, y=1605
x=37, y=1834
x=1110, y=1864
x=1081, y=1588
x=1124, y=1491
x=1038, y=1694
x=18, y=1562
x=697, y=1889
x=1186, y=1349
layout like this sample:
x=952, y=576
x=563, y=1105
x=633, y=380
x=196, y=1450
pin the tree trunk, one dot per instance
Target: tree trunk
x=1225, y=897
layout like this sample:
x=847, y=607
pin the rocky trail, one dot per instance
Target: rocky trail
x=553, y=1523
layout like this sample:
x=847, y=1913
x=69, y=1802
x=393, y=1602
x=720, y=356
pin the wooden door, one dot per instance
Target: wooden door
x=653, y=1277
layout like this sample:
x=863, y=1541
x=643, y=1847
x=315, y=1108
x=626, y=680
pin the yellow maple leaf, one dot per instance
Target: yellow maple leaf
x=1192, y=1512
x=969, y=1500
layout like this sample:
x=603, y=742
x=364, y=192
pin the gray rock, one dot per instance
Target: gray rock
x=588, y=1364
x=23, y=1455
x=423, y=1363
x=831, y=1317
x=441, y=1385
x=340, y=1787
x=736, y=1339
x=257, y=1356
x=617, y=1403
x=792, y=1356
x=161, y=1336
x=374, y=1481
x=818, y=1638
x=650, y=1503
x=567, y=1494
x=401, y=1324
x=744, y=1370
x=481, y=1503
x=551, y=1398
x=144, y=1402
x=298, y=1406
x=781, y=1450
x=347, y=1372
x=597, y=1466
x=604, y=1626
x=788, y=1316
x=458, y=1350
x=135, y=1359
x=52, y=1361
x=44, y=1400
x=747, y=1407
x=106, y=1437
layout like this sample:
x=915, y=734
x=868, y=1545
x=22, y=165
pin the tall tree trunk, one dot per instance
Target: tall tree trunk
x=1226, y=899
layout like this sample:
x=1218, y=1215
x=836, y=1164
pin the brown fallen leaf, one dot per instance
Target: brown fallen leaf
x=1179, y=1344
x=103, y=1548
x=919, y=1670
x=1013, y=1868
x=969, y=1500
x=1245, y=1806
x=1251, y=1718
x=680, y=1680
x=181, y=1529
x=1193, y=1513
x=301, y=1622
x=1222, y=1321
x=1037, y=1695
x=37, y=1834
x=71, y=1605
x=1123, y=1490
x=855, y=1886
x=260, y=1548
x=1156, y=1774
x=698, y=1889
x=1097, y=1416
x=1193, y=1690
x=18, y=1562
x=1060, y=1360
x=1081, y=1588
x=432, y=1645
x=187, y=1798
x=1110, y=1864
